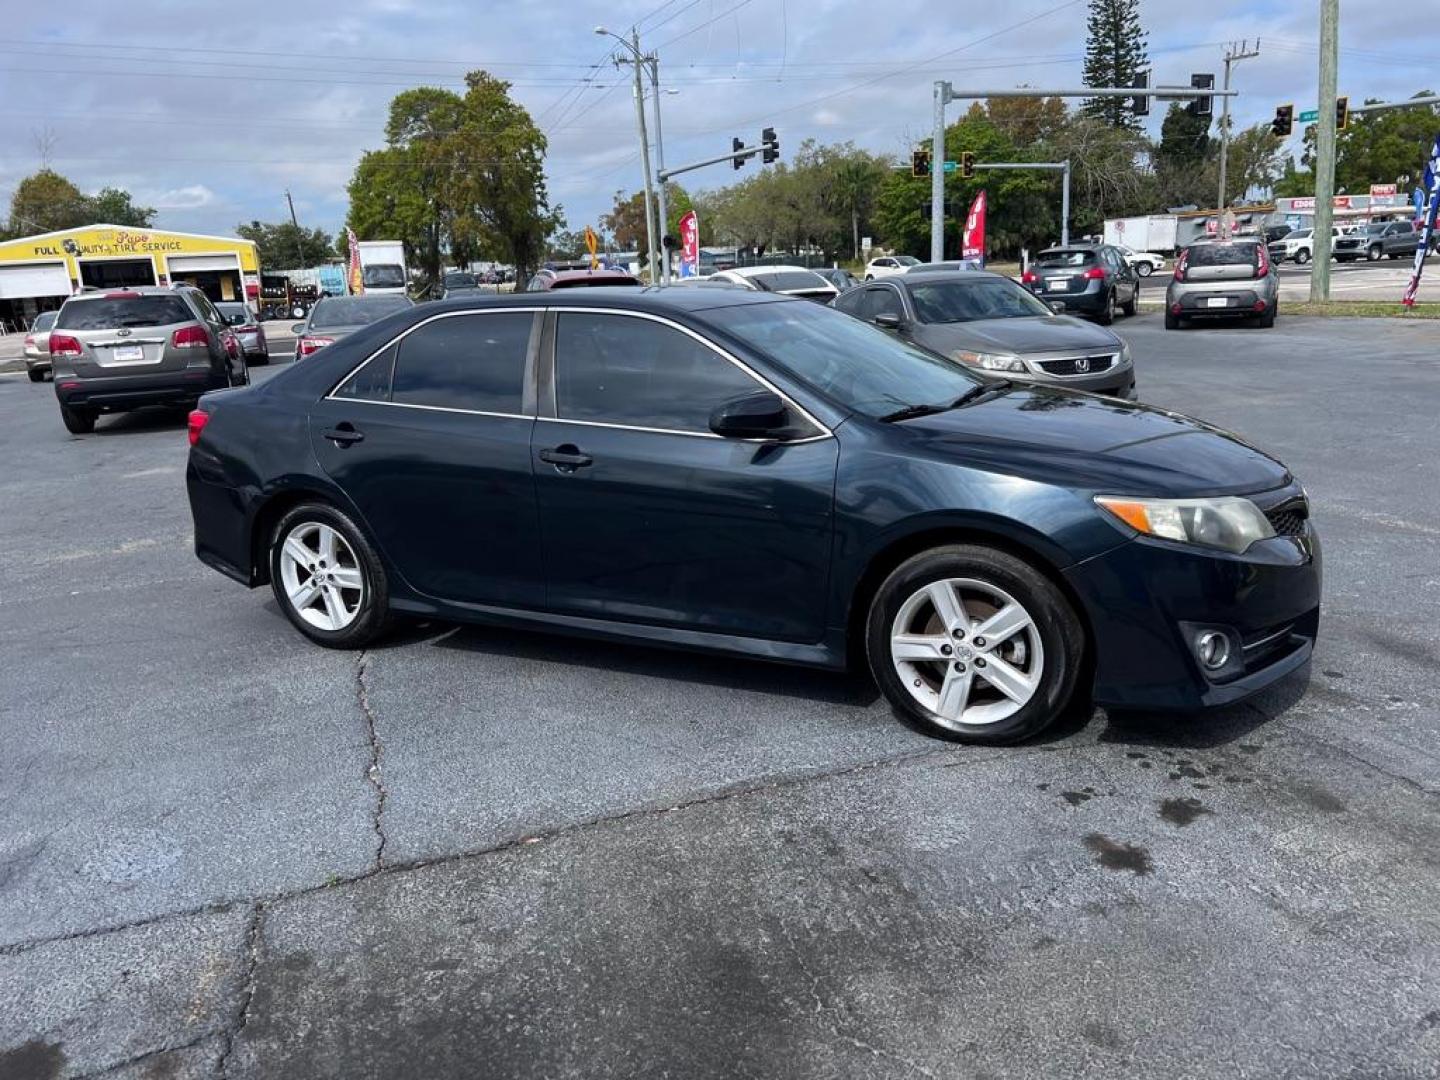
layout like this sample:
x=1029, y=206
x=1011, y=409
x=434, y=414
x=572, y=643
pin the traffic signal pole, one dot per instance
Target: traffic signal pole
x=1325, y=149
x=945, y=93
x=1232, y=56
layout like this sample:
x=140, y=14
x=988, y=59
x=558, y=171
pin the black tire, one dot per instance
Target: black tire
x=77, y=421
x=373, y=618
x=1107, y=313
x=261, y=359
x=1267, y=320
x=1144, y=269
x=1061, y=636
x=1172, y=322
x=1129, y=306
x=36, y=374
x=1302, y=257
x=1374, y=252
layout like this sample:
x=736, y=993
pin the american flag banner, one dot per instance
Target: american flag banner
x=1427, y=232
x=353, y=276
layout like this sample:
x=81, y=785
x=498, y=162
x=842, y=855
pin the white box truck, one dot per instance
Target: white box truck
x=382, y=267
x=1152, y=232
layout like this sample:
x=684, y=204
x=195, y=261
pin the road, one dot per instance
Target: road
x=474, y=852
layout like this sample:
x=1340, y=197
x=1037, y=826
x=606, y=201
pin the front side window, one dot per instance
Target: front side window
x=617, y=369
x=474, y=362
x=884, y=301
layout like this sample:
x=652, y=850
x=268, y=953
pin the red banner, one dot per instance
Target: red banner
x=972, y=243
x=689, y=244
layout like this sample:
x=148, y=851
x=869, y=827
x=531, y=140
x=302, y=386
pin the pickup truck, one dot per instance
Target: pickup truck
x=1396, y=239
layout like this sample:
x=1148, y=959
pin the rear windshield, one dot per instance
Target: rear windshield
x=1221, y=254
x=106, y=313
x=355, y=310
x=1065, y=258
x=460, y=281
x=787, y=280
x=383, y=276
x=580, y=282
x=235, y=314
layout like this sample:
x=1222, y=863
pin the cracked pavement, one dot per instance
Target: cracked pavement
x=469, y=851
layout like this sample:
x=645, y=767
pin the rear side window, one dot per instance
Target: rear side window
x=1221, y=254
x=371, y=382
x=617, y=369
x=107, y=313
x=474, y=362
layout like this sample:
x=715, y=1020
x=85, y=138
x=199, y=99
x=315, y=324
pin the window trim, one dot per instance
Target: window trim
x=548, y=411
x=527, y=392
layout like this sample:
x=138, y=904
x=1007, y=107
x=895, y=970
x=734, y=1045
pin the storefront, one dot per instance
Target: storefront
x=37, y=273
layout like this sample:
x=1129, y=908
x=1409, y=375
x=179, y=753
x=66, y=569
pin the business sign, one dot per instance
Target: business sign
x=689, y=244
x=972, y=241
x=1307, y=203
x=1382, y=189
x=1427, y=233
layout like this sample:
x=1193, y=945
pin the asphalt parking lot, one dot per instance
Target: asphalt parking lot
x=474, y=852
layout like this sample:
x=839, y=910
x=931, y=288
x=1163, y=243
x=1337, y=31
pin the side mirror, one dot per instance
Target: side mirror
x=1057, y=306
x=888, y=321
x=755, y=416
x=297, y=328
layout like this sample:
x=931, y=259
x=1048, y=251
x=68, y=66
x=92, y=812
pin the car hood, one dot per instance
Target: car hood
x=1038, y=335
x=1095, y=443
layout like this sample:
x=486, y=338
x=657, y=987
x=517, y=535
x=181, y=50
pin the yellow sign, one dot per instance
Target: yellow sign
x=592, y=242
x=103, y=242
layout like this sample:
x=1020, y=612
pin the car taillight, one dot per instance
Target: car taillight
x=196, y=424
x=29, y=340
x=1181, y=264
x=1095, y=273
x=310, y=345
x=1029, y=277
x=1262, y=261
x=64, y=345
x=190, y=337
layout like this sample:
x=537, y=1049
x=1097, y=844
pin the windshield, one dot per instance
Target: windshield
x=383, y=276
x=855, y=364
x=460, y=281
x=1299, y=234
x=354, y=310
x=1375, y=227
x=906, y=260
x=139, y=309
x=957, y=302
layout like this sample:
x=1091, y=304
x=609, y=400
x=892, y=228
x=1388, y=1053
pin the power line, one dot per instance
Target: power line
x=671, y=17
x=703, y=25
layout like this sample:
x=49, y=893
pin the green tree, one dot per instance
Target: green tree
x=112, y=206
x=1180, y=156
x=282, y=246
x=1115, y=53
x=46, y=202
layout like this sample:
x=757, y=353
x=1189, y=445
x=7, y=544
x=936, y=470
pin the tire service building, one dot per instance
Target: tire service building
x=37, y=273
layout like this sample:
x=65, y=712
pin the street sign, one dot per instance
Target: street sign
x=951, y=166
x=1309, y=116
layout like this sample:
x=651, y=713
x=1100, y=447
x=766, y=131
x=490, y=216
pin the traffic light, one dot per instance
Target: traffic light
x=771, y=144
x=967, y=164
x=1284, y=122
x=1140, y=103
x=1342, y=113
x=736, y=146
x=920, y=163
x=1203, y=106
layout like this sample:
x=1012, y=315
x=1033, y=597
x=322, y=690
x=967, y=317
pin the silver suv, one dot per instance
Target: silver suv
x=120, y=349
x=1223, y=279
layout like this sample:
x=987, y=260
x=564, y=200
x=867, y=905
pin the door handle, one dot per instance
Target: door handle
x=566, y=458
x=343, y=434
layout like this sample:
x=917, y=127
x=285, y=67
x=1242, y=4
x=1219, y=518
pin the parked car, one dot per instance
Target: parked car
x=545, y=280
x=248, y=329
x=1298, y=245
x=1144, y=263
x=1223, y=279
x=887, y=265
x=117, y=350
x=746, y=473
x=989, y=322
x=1090, y=279
x=456, y=283
x=37, y=346
x=838, y=276
x=1379, y=239
x=953, y=264
x=334, y=318
x=785, y=280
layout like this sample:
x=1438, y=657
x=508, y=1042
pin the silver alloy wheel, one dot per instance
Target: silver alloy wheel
x=322, y=578
x=967, y=651
x=1144, y=269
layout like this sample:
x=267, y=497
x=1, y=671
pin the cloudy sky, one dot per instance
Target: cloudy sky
x=209, y=111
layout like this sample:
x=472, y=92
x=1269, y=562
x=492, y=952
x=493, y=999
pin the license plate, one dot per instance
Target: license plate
x=1056, y=284
x=130, y=353
x=1217, y=301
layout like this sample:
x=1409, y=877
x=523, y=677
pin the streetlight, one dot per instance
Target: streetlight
x=633, y=46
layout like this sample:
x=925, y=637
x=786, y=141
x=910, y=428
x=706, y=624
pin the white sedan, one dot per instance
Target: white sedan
x=1144, y=262
x=889, y=266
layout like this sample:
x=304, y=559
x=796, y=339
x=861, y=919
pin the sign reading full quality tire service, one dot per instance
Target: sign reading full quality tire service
x=1427, y=233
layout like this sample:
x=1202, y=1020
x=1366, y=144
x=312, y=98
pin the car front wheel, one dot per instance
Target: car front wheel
x=1302, y=257
x=1374, y=253
x=1144, y=269
x=974, y=645
x=327, y=578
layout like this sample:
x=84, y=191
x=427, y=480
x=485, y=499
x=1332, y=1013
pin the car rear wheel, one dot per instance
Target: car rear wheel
x=1129, y=306
x=973, y=644
x=1268, y=319
x=327, y=578
x=77, y=421
x=36, y=374
x=1107, y=314
x=1172, y=322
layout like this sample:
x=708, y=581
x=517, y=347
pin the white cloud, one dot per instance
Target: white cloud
x=826, y=117
x=189, y=197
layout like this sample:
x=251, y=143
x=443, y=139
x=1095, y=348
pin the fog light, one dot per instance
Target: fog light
x=1213, y=649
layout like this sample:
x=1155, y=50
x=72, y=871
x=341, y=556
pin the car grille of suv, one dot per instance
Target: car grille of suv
x=1070, y=365
x=1288, y=519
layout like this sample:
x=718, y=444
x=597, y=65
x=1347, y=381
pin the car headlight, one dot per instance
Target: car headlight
x=1231, y=524
x=1124, y=354
x=989, y=361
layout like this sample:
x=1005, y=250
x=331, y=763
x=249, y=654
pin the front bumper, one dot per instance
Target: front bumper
x=1118, y=381
x=1147, y=600
x=120, y=392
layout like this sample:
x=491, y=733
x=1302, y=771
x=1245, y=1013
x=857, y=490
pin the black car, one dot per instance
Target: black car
x=1088, y=279
x=767, y=477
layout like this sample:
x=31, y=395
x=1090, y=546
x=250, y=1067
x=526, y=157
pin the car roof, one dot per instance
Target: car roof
x=965, y=277
x=133, y=290
x=755, y=271
x=656, y=299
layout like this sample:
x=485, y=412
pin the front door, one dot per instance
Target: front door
x=431, y=441
x=648, y=516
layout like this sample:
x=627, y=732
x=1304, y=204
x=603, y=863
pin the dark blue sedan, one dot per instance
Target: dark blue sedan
x=741, y=472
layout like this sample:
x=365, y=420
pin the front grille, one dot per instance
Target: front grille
x=1288, y=519
x=1072, y=365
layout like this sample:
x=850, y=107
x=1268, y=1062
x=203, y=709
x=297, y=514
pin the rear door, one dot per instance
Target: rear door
x=431, y=442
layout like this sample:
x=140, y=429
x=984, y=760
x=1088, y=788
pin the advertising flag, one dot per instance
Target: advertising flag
x=1427, y=233
x=353, y=276
x=592, y=242
x=689, y=244
x=972, y=242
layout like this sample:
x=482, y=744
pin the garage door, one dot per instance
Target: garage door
x=190, y=264
x=34, y=279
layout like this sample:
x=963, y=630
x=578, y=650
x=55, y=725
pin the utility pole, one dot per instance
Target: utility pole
x=1325, y=148
x=1233, y=55
x=299, y=241
x=937, y=175
x=650, y=256
x=660, y=167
